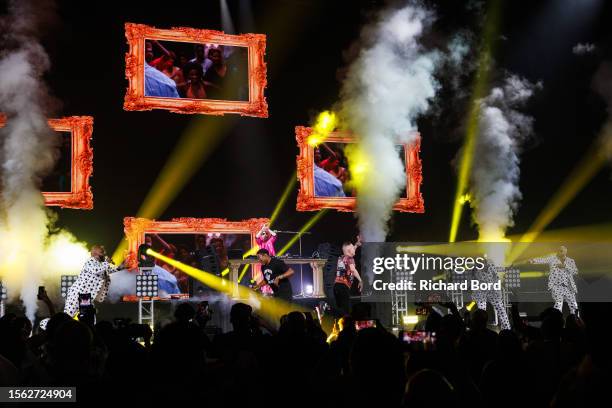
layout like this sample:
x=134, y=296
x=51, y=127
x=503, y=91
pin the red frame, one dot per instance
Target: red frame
x=136, y=228
x=135, y=98
x=306, y=199
x=80, y=195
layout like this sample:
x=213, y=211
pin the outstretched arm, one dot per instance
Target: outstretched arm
x=540, y=260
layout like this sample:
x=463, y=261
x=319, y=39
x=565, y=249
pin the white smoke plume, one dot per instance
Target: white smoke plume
x=584, y=48
x=29, y=152
x=388, y=86
x=494, y=182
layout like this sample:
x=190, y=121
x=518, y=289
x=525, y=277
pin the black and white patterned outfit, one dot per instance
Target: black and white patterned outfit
x=93, y=279
x=490, y=274
x=561, y=281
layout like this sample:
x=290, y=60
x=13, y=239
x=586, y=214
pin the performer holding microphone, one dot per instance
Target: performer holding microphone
x=561, y=278
x=93, y=279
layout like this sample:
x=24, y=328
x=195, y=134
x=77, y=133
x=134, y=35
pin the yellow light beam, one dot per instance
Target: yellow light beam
x=269, y=308
x=199, y=140
x=302, y=230
x=480, y=86
x=277, y=209
x=283, y=199
x=586, y=169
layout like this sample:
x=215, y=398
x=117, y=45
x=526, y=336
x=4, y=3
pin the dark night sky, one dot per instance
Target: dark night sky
x=249, y=169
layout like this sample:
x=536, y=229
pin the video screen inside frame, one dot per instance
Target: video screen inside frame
x=332, y=171
x=207, y=251
x=196, y=71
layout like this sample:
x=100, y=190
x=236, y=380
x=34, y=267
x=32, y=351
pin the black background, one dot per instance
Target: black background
x=306, y=40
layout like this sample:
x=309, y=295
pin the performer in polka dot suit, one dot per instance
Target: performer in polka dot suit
x=94, y=279
x=561, y=278
x=490, y=274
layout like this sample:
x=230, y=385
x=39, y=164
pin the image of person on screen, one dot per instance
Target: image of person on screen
x=326, y=185
x=149, y=55
x=218, y=245
x=346, y=273
x=159, y=85
x=333, y=163
x=276, y=274
x=561, y=284
x=200, y=57
x=193, y=87
x=166, y=65
x=218, y=76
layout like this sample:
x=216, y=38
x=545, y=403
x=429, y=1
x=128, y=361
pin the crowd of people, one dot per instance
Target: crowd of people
x=210, y=72
x=561, y=363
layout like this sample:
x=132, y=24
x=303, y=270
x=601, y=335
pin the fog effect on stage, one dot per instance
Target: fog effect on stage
x=28, y=152
x=387, y=87
x=494, y=182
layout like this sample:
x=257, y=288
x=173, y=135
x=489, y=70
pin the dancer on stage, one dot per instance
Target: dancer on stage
x=265, y=239
x=346, y=273
x=93, y=279
x=276, y=274
x=490, y=274
x=561, y=278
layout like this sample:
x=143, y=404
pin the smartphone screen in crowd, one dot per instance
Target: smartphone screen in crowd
x=419, y=337
x=84, y=299
x=364, y=324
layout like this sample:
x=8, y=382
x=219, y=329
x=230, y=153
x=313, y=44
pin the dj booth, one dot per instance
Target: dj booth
x=315, y=263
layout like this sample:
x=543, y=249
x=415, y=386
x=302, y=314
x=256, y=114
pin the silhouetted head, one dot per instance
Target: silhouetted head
x=479, y=321
x=240, y=316
x=552, y=324
x=429, y=388
x=184, y=312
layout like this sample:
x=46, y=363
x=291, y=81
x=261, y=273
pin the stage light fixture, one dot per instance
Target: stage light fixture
x=309, y=289
x=66, y=281
x=512, y=278
x=147, y=285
